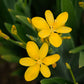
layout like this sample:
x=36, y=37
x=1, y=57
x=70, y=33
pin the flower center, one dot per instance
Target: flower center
x=51, y=29
x=39, y=62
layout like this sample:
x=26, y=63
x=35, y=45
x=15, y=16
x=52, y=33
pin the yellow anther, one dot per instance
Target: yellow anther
x=3, y=35
x=81, y=4
x=42, y=40
x=66, y=37
x=39, y=62
x=68, y=66
x=14, y=30
x=54, y=65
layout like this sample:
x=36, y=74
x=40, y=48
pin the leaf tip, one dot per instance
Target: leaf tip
x=70, y=51
x=17, y=16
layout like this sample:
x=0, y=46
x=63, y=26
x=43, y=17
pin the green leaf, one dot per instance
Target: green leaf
x=23, y=19
x=4, y=16
x=65, y=56
x=11, y=58
x=55, y=80
x=19, y=72
x=21, y=31
x=77, y=49
x=67, y=5
x=23, y=8
x=80, y=76
x=4, y=50
x=81, y=59
x=7, y=47
x=9, y=3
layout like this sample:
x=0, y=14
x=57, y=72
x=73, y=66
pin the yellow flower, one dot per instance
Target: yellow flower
x=81, y=4
x=50, y=28
x=37, y=61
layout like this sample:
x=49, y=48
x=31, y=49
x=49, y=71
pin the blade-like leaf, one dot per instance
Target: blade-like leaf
x=81, y=59
x=77, y=49
x=11, y=58
x=55, y=81
x=67, y=5
x=80, y=76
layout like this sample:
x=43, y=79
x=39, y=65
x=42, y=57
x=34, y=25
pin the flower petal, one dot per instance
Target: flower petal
x=55, y=40
x=51, y=59
x=32, y=50
x=40, y=23
x=64, y=29
x=45, y=71
x=60, y=20
x=43, y=50
x=26, y=61
x=49, y=17
x=44, y=33
x=32, y=72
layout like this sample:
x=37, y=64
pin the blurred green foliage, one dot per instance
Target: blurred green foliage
x=15, y=12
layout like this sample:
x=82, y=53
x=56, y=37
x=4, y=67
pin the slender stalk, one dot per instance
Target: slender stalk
x=74, y=80
x=21, y=40
x=15, y=42
x=69, y=67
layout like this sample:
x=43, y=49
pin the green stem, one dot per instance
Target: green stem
x=69, y=67
x=74, y=80
x=21, y=40
x=15, y=42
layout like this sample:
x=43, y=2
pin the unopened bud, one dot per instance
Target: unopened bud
x=32, y=38
x=3, y=35
x=66, y=37
x=29, y=20
x=14, y=30
x=68, y=66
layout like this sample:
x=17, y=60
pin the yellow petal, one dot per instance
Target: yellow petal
x=32, y=50
x=26, y=61
x=51, y=59
x=44, y=33
x=45, y=71
x=49, y=17
x=43, y=50
x=55, y=40
x=64, y=29
x=32, y=72
x=60, y=20
x=40, y=23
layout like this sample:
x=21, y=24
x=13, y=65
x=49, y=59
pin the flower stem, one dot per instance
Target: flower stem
x=21, y=40
x=74, y=80
x=17, y=43
x=69, y=67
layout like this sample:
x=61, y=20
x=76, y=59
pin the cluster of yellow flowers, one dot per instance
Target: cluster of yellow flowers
x=51, y=29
